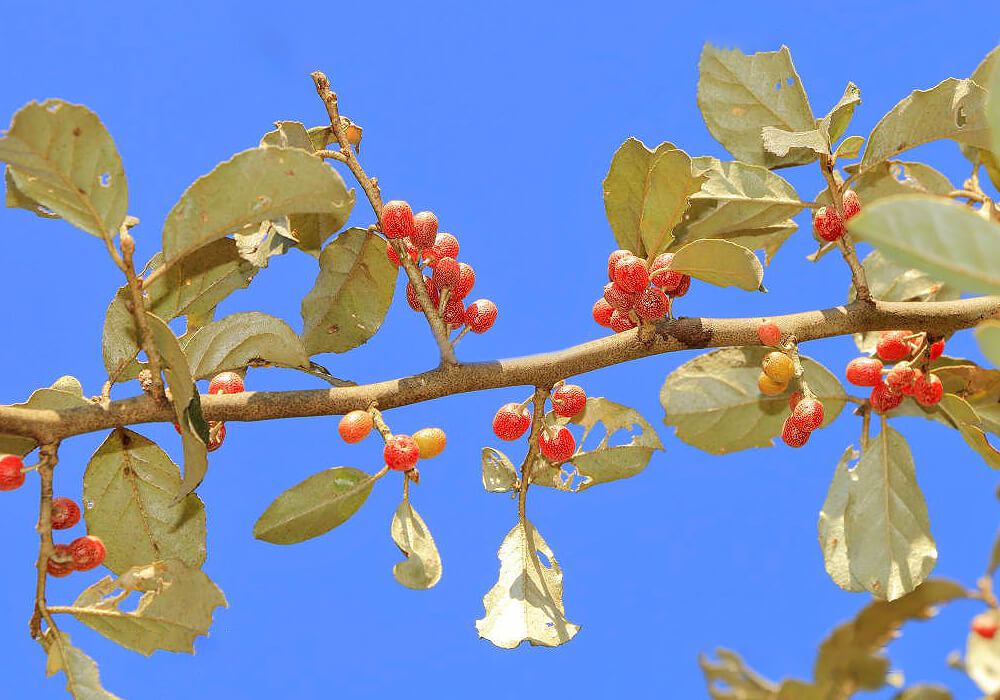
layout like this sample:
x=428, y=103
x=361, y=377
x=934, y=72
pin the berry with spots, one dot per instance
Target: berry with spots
x=226, y=383
x=602, y=312
x=894, y=346
x=621, y=322
x=425, y=227
x=828, y=224
x=445, y=246
x=864, y=371
x=618, y=298
x=216, y=435
x=11, y=476
x=432, y=292
x=568, y=400
x=852, y=205
x=631, y=274
x=663, y=277
x=414, y=254
x=446, y=273
x=927, y=389
x=651, y=304
x=769, y=333
x=792, y=434
x=511, y=421
x=355, y=426
x=682, y=288
x=401, y=453
x=793, y=400
x=613, y=260
x=454, y=313
x=778, y=366
x=60, y=562
x=556, y=444
x=430, y=442
x=397, y=219
x=883, y=398
x=480, y=315
x=466, y=278
x=936, y=350
x=808, y=414
x=88, y=552
x=65, y=513
x=900, y=377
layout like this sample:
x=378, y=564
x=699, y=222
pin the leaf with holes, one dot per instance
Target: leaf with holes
x=832, y=539
x=779, y=142
x=65, y=392
x=348, y=303
x=82, y=678
x=719, y=262
x=715, y=405
x=62, y=157
x=237, y=341
x=526, y=603
x=422, y=567
x=132, y=484
x=499, y=475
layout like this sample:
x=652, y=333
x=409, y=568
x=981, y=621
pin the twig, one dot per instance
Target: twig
x=845, y=243
x=537, y=423
x=138, y=309
x=336, y=155
x=49, y=456
x=314, y=369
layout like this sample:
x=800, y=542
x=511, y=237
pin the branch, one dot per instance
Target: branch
x=138, y=309
x=938, y=317
x=48, y=458
x=845, y=243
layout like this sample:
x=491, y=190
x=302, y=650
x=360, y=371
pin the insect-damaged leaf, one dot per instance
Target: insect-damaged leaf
x=82, y=679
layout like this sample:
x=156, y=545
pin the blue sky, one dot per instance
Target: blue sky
x=503, y=121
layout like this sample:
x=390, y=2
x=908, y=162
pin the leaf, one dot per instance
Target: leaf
x=739, y=95
x=352, y=293
x=16, y=199
x=646, y=194
x=82, y=678
x=526, y=603
x=993, y=110
x=132, y=484
x=895, y=177
x=186, y=403
x=65, y=392
x=257, y=184
x=175, y=607
x=988, y=337
x=965, y=419
x=315, y=506
x=730, y=678
x=719, y=262
x=947, y=240
x=849, y=148
x=953, y=109
x=834, y=124
x=289, y=134
x=422, y=568
x=715, y=405
x=779, y=142
x=832, y=538
x=982, y=661
x=499, y=475
x=606, y=462
x=63, y=158
x=257, y=244
x=924, y=692
x=240, y=339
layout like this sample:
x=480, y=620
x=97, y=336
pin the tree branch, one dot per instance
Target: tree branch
x=937, y=317
x=46, y=465
x=138, y=309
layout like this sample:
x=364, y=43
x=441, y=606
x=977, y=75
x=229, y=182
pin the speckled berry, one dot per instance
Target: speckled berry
x=65, y=513
x=397, y=219
x=621, y=322
x=466, y=278
x=651, y=304
x=511, y=422
x=88, y=552
x=216, y=435
x=355, y=426
x=793, y=399
x=681, y=289
x=936, y=350
x=401, y=453
x=445, y=246
x=894, y=346
x=60, y=562
x=432, y=292
x=769, y=333
x=390, y=253
x=454, y=313
x=602, y=312
x=769, y=387
x=828, y=224
x=631, y=274
x=852, y=205
x=864, y=371
x=613, y=260
x=808, y=414
x=556, y=444
x=792, y=435
x=883, y=399
x=663, y=277
x=446, y=273
x=226, y=383
x=425, y=227
x=900, y=376
x=480, y=315
x=11, y=476
x=927, y=389
x=568, y=400
x=617, y=297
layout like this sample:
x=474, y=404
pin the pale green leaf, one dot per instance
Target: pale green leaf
x=849, y=148
x=132, y=484
x=314, y=506
x=16, y=199
x=896, y=177
x=63, y=158
x=993, y=110
x=779, y=142
x=981, y=76
x=832, y=539
x=289, y=134
x=719, y=262
x=175, y=606
x=739, y=95
x=982, y=660
x=65, y=392
x=258, y=243
x=352, y=293
x=965, y=419
x=261, y=183
x=988, y=336
x=499, y=475
x=82, y=678
x=834, y=124
x=715, y=405
x=322, y=136
x=526, y=603
x=239, y=340
x=422, y=567
x=312, y=230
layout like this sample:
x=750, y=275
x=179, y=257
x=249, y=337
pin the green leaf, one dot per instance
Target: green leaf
x=526, y=603
x=258, y=184
x=965, y=419
x=895, y=177
x=739, y=95
x=422, y=567
x=646, y=194
x=186, y=403
x=314, y=506
x=289, y=134
x=16, y=199
x=953, y=109
x=499, y=475
x=832, y=539
x=322, y=136
x=65, y=392
x=945, y=239
x=988, y=337
x=720, y=262
x=241, y=339
x=352, y=293
x=993, y=110
x=849, y=148
x=834, y=124
x=981, y=77
x=982, y=660
x=730, y=678
x=257, y=244
x=606, y=462
x=175, y=606
x=63, y=158
x=779, y=142
x=82, y=678
x=714, y=402
x=132, y=484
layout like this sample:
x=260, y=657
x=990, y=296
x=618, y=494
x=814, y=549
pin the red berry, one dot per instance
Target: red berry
x=828, y=224
x=792, y=434
x=480, y=315
x=613, y=260
x=602, y=312
x=900, y=377
x=65, y=513
x=60, y=563
x=226, y=383
x=454, y=313
x=466, y=278
x=617, y=297
x=355, y=426
x=864, y=371
x=511, y=422
x=907, y=389
x=893, y=346
x=390, y=253
x=927, y=389
x=11, y=476
x=557, y=444
x=985, y=625
x=397, y=219
x=808, y=415
x=883, y=399
x=631, y=274
x=216, y=435
x=793, y=400
x=445, y=246
x=651, y=303
x=425, y=227
x=851, y=204
x=401, y=452
x=769, y=333
x=446, y=273
x=936, y=350
x=568, y=400
x=87, y=552
x=432, y=291
x=662, y=277
x=682, y=288
x=621, y=322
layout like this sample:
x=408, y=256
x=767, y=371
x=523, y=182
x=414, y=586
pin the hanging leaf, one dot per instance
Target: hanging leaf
x=719, y=262
x=499, y=475
x=257, y=184
x=981, y=77
x=832, y=538
x=238, y=340
x=63, y=159
x=947, y=240
x=314, y=506
x=834, y=124
x=422, y=567
x=965, y=419
x=739, y=95
x=175, y=606
x=132, y=484
x=65, y=392
x=715, y=405
x=526, y=603
x=348, y=303
x=82, y=678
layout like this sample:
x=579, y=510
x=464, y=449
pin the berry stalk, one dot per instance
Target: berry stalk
x=845, y=244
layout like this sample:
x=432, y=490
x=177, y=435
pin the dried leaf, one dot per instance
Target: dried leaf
x=499, y=474
x=422, y=567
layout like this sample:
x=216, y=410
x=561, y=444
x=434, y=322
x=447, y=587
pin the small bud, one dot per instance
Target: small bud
x=127, y=244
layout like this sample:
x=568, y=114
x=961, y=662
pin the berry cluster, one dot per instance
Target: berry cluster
x=904, y=378
x=450, y=281
x=777, y=370
x=401, y=451
x=555, y=443
x=829, y=224
x=638, y=292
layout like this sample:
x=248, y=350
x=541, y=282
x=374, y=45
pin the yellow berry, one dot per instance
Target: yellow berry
x=769, y=387
x=778, y=366
x=430, y=441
